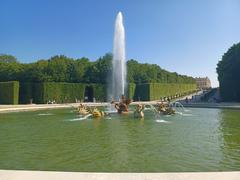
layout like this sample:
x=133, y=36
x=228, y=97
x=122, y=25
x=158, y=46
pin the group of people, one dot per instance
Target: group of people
x=122, y=107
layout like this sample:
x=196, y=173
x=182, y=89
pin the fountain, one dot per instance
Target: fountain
x=118, y=83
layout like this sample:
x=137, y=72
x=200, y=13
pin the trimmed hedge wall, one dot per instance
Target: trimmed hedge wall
x=99, y=92
x=155, y=91
x=131, y=90
x=160, y=90
x=142, y=92
x=69, y=92
x=30, y=91
x=9, y=92
x=25, y=93
x=60, y=92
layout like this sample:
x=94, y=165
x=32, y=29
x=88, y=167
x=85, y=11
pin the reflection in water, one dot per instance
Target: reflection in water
x=230, y=127
x=141, y=121
x=118, y=143
x=97, y=122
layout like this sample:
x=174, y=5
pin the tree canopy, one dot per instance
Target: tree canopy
x=7, y=58
x=64, y=69
x=228, y=74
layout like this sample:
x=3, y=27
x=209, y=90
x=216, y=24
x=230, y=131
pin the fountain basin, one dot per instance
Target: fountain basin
x=197, y=140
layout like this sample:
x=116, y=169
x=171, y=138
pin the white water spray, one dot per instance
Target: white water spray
x=118, y=83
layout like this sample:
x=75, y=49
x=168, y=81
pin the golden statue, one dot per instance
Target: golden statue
x=85, y=110
x=97, y=113
x=138, y=113
x=165, y=109
x=122, y=106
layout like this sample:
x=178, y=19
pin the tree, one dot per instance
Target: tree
x=78, y=70
x=152, y=73
x=100, y=70
x=7, y=58
x=228, y=74
x=64, y=69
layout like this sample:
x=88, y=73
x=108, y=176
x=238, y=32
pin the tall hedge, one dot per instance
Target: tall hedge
x=30, y=91
x=62, y=92
x=131, y=90
x=41, y=93
x=142, y=92
x=160, y=90
x=69, y=92
x=25, y=92
x=9, y=92
x=155, y=91
x=99, y=92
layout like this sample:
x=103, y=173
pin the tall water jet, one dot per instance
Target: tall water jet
x=118, y=83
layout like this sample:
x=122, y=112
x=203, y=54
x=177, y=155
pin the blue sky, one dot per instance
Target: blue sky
x=184, y=36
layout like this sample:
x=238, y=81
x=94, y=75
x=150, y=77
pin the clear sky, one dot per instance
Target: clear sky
x=184, y=36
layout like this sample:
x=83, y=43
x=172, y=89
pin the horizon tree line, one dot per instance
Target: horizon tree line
x=61, y=68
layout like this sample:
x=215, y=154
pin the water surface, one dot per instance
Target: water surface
x=197, y=140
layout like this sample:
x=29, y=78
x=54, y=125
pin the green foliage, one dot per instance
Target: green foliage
x=7, y=58
x=25, y=93
x=69, y=92
x=30, y=91
x=151, y=73
x=79, y=70
x=64, y=69
x=99, y=71
x=10, y=71
x=228, y=74
x=160, y=90
x=63, y=79
x=62, y=92
x=142, y=92
x=156, y=91
x=9, y=92
x=131, y=90
x=99, y=92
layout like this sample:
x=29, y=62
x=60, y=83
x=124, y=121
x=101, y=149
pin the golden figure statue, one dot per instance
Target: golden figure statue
x=97, y=113
x=122, y=106
x=138, y=113
x=85, y=110
x=165, y=109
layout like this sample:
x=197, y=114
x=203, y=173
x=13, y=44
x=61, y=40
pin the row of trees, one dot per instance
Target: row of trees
x=229, y=75
x=65, y=69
